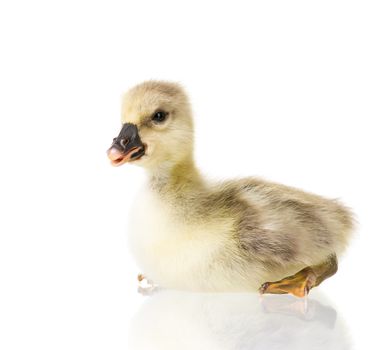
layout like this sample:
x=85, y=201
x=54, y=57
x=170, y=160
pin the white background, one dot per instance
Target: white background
x=292, y=91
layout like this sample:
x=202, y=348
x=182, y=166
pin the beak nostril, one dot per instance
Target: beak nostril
x=123, y=142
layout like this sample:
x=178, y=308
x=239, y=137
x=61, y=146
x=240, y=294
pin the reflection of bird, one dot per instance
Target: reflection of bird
x=229, y=321
x=192, y=234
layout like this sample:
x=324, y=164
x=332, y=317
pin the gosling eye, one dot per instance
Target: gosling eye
x=123, y=142
x=159, y=116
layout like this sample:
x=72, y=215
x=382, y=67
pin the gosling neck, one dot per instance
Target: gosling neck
x=178, y=178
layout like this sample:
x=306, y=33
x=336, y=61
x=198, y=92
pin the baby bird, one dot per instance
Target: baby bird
x=239, y=235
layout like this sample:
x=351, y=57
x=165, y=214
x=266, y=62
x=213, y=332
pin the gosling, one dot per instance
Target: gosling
x=241, y=235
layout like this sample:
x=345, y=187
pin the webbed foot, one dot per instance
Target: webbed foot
x=141, y=277
x=298, y=284
x=146, y=286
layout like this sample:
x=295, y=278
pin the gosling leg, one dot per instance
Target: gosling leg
x=300, y=283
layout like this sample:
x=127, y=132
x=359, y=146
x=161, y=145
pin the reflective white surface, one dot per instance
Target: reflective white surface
x=179, y=320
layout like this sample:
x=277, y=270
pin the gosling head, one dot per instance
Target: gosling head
x=157, y=127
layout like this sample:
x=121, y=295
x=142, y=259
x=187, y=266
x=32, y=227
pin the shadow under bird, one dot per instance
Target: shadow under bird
x=240, y=235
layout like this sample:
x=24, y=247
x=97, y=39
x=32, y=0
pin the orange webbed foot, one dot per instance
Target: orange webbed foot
x=298, y=285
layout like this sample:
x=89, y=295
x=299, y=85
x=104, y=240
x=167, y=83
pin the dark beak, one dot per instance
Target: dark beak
x=127, y=146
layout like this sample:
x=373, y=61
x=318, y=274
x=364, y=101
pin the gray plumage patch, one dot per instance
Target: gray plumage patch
x=262, y=243
x=257, y=242
x=309, y=218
